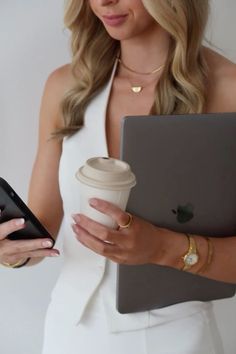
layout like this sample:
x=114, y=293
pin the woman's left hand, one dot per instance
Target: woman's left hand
x=140, y=243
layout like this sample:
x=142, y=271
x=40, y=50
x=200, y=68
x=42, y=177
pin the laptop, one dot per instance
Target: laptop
x=185, y=167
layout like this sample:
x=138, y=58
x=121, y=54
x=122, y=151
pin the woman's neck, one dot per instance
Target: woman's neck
x=145, y=53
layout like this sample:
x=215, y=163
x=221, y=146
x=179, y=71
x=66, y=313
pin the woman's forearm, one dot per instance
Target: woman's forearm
x=222, y=266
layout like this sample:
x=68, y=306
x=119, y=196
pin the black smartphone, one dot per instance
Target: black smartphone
x=12, y=206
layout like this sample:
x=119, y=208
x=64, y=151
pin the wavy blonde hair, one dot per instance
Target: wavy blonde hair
x=181, y=88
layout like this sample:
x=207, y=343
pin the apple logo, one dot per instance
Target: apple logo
x=184, y=213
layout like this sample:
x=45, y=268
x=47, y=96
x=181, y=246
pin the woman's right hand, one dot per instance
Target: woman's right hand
x=19, y=251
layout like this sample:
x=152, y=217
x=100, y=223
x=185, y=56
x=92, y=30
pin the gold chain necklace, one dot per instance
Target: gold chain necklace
x=139, y=88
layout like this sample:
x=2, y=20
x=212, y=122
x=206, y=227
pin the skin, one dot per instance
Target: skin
x=143, y=45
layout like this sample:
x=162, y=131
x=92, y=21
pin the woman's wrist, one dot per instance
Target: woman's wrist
x=167, y=244
x=175, y=245
x=172, y=247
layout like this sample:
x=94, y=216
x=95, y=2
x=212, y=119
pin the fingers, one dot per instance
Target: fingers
x=101, y=239
x=110, y=209
x=12, y=251
x=31, y=254
x=29, y=245
x=6, y=228
x=103, y=248
x=96, y=229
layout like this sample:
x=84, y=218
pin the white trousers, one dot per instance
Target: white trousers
x=192, y=334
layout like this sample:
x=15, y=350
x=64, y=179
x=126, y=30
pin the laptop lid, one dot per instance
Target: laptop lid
x=186, y=181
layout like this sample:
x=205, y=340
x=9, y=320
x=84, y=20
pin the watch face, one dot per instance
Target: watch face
x=191, y=259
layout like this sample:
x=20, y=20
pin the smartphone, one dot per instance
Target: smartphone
x=12, y=206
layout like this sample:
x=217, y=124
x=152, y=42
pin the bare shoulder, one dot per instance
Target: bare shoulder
x=222, y=82
x=61, y=79
x=57, y=84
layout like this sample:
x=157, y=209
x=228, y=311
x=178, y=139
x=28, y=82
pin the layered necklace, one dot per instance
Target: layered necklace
x=139, y=88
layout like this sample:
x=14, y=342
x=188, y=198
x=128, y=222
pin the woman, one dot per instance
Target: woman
x=129, y=57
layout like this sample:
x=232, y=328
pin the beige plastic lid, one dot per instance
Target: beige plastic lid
x=106, y=173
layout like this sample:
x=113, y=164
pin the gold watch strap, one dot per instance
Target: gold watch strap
x=192, y=244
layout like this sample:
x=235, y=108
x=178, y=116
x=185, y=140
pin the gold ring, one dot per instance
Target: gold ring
x=128, y=223
x=13, y=265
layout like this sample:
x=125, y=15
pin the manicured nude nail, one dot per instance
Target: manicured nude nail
x=47, y=244
x=55, y=254
x=93, y=202
x=78, y=218
x=19, y=222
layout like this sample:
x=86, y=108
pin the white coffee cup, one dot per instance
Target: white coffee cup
x=108, y=179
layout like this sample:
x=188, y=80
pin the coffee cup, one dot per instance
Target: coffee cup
x=108, y=179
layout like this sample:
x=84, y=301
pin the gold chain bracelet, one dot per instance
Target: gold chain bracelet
x=210, y=251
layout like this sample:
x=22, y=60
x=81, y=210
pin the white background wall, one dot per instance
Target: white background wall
x=33, y=43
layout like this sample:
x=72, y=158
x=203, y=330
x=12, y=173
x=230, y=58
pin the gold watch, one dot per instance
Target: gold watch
x=191, y=257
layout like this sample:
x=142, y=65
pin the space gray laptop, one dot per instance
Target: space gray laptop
x=191, y=188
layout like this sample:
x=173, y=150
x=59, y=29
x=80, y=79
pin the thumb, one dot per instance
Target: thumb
x=7, y=227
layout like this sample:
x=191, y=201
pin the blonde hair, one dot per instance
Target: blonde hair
x=181, y=88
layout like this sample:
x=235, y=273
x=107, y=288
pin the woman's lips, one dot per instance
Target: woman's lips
x=114, y=20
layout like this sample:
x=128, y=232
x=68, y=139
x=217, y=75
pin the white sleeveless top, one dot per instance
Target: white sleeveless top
x=84, y=272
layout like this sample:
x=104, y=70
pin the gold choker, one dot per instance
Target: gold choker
x=137, y=72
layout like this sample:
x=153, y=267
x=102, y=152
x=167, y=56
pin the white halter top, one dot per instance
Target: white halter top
x=84, y=271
